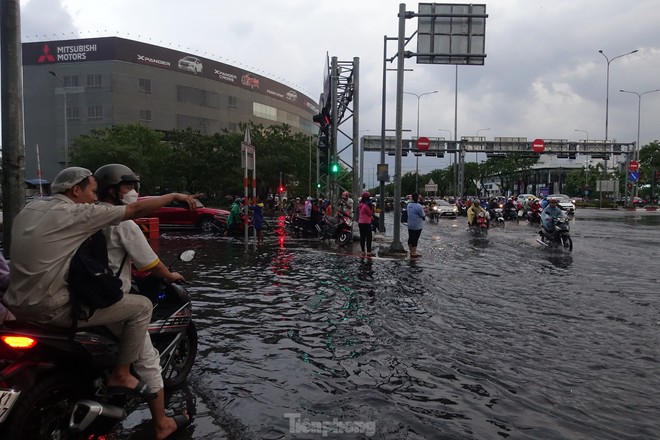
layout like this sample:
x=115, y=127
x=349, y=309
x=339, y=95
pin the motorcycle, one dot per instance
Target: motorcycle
x=533, y=215
x=480, y=225
x=496, y=217
x=511, y=213
x=558, y=235
x=338, y=228
x=304, y=226
x=51, y=381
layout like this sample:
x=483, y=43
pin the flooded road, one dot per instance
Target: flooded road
x=479, y=339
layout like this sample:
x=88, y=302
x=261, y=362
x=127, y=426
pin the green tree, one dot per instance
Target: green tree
x=136, y=146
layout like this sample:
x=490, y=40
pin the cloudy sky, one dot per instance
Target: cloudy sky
x=543, y=76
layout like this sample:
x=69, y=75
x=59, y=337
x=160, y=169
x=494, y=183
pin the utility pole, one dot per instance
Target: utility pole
x=13, y=138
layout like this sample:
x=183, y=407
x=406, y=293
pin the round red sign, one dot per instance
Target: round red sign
x=538, y=146
x=423, y=143
x=633, y=165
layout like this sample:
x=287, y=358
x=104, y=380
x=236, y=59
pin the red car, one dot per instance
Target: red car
x=177, y=215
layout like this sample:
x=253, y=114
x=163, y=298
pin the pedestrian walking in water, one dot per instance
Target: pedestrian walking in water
x=366, y=211
x=415, y=224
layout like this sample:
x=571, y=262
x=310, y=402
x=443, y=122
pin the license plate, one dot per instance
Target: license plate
x=7, y=400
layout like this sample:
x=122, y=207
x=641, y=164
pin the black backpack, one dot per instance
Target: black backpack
x=92, y=285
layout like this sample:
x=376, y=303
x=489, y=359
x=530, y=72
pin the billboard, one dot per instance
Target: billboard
x=120, y=49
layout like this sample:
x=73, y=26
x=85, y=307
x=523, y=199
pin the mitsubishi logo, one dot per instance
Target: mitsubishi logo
x=46, y=56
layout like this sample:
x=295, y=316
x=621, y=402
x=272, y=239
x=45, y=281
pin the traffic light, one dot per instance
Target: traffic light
x=281, y=188
x=334, y=168
x=323, y=118
x=318, y=184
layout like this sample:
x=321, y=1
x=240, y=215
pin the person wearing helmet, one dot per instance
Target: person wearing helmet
x=365, y=214
x=550, y=212
x=54, y=228
x=473, y=212
x=127, y=245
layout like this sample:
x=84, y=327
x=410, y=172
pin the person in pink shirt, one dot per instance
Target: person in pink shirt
x=366, y=211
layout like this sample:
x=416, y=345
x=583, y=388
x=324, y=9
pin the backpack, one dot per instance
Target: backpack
x=92, y=285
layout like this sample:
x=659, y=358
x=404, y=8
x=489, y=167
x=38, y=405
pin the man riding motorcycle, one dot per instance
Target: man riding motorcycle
x=551, y=211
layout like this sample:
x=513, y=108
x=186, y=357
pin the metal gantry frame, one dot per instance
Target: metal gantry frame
x=344, y=102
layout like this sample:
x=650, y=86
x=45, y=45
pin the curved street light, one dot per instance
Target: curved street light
x=607, y=90
x=482, y=129
x=639, y=112
x=585, y=132
x=637, y=146
x=418, y=96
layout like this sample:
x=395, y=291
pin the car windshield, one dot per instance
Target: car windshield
x=562, y=197
x=442, y=203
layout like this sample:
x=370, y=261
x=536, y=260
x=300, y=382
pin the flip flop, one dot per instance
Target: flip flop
x=140, y=391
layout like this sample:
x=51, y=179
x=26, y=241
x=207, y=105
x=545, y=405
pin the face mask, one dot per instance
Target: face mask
x=130, y=197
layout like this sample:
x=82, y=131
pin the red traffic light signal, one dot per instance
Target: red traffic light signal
x=281, y=188
x=323, y=118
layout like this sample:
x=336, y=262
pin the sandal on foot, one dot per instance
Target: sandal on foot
x=182, y=422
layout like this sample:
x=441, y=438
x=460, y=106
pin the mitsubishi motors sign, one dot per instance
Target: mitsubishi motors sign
x=120, y=49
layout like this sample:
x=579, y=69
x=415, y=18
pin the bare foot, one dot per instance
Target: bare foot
x=124, y=381
x=171, y=424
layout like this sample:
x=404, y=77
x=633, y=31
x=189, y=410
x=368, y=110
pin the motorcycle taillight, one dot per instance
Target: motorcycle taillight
x=18, y=342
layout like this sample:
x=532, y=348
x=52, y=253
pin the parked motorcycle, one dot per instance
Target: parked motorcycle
x=51, y=381
x=558, y=235
x=338, y=228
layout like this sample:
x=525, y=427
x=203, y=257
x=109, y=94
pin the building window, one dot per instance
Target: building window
x=145, y=115
x=94, y=112
x=94, y=81
x=71, y=81
x=233, y=102
x=264, y=111
x=144, y=85
x=73, y=113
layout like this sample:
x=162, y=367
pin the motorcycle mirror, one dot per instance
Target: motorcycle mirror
x=187, y=255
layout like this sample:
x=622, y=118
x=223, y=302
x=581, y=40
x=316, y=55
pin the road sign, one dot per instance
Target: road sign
x=633, y=176
x=633, y=165
x=423, y=143
x=538, y=146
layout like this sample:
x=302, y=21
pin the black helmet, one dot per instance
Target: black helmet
x=113, y=174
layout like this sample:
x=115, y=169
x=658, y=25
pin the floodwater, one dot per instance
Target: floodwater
x=479, y=339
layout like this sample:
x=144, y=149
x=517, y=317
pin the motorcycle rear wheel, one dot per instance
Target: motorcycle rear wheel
x=43, y=411
x=343, y=238
x=182, y=360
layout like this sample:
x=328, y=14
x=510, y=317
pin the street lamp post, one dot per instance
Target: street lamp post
x=66, y=121
x=450, y=161
x=607, y=96
x=416, y=156
x=639, y=114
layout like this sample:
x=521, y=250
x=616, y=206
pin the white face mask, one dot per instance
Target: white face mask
x=130, y=197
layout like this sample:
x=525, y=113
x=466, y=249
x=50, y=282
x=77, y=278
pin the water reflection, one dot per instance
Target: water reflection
x=480, y=338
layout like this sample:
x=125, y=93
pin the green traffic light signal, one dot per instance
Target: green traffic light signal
x=334, y=168
x=318, y=184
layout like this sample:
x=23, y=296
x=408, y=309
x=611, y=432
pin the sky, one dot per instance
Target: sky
x=543, y=75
